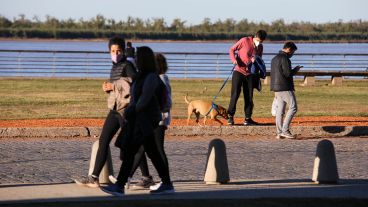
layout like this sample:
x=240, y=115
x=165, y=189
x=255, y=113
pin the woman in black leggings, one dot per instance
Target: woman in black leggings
x=143, y=115
x=118, y=88
x=140, y=158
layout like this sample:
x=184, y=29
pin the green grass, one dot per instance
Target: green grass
x=84, y=98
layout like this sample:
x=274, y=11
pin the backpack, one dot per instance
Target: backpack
x=258, y=67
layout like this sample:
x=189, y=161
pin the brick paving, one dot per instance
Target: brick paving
x=45, y=160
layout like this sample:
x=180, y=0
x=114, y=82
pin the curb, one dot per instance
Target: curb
x=305, y=131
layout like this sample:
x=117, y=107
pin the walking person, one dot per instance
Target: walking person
x=282, y=84
x=140, y=158
x=247, y=48
x=122, y=75
x=143, y=115
x=130, y=52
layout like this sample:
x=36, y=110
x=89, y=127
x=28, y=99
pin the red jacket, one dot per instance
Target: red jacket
x=246, y=50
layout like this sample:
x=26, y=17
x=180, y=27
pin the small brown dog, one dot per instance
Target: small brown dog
x=204, y=108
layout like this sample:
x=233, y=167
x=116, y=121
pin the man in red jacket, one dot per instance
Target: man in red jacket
x=247, y=48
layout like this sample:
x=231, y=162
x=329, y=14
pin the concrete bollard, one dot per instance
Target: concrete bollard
x=217, y=170
x=325, y=166
x=107, y=169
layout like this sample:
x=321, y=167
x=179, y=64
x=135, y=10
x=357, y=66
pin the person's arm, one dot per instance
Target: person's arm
x=166, y=81
x=148, y=90
x=234, y=48
x=286, y=67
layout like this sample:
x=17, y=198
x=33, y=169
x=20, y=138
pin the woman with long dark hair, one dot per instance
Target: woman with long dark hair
x=143, y=116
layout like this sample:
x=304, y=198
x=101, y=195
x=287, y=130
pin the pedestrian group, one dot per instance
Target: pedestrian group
x=139, y=102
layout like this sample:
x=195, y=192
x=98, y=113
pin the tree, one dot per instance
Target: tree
x=177, y=25
x=4, y=22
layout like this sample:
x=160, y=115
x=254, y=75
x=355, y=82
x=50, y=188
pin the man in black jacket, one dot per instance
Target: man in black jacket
x=283, y=85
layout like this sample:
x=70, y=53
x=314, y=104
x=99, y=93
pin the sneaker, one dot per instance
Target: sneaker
x=112, y=179
x=287, y=135
x=250, y=122
x=278, y=136
x=164, y=189
x=114, y=189
x=89, y=181
x=145, y=182
x=230, y=120
x=156, y=186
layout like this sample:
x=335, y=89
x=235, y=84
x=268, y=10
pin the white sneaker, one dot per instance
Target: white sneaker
x=164, y=189
x=278, y=136
x=112, y=179
x=156, y=186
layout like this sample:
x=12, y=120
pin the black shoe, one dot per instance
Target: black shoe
x=164, y=189
x=230, y=121
x=114, y=189
x=145, y=182
x=250, y=122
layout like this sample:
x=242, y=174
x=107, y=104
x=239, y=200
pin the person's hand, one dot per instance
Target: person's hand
x=253, y=59
x=107, y=87
x=235, y=62
x=297, y=68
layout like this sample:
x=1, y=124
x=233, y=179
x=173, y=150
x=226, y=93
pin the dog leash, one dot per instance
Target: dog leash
x=214, y=106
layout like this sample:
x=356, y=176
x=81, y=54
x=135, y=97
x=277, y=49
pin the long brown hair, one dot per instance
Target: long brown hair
x=161, y=63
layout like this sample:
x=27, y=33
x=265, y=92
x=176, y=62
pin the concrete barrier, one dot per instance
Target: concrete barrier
x=107, y=169
x=217, y=170
x=325, y=165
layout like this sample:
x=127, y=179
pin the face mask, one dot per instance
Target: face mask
x=116, y=58
x=256, y=43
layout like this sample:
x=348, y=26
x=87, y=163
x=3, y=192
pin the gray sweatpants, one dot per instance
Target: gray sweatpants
x=283, y=98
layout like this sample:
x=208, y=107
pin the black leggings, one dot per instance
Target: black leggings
x=153, y=152
x=112, y=124
x=140, y=158
x=238, y=82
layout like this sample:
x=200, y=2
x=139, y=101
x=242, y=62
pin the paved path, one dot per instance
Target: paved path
x=48, y=161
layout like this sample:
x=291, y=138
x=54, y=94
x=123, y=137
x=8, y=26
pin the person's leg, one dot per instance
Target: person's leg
x=128, y=161
x=111, y=126
x=157, y=161
x=248, y=96
x=280, y=110
x=236, y=83
x=159, y=139
x=141, y=161
x=293, y=108
x=109, y=129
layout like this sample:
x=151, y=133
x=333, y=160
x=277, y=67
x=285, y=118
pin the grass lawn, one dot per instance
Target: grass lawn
x=41, y=98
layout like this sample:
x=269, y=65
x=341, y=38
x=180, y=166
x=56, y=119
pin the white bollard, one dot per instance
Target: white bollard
x=325, y=166
x=217, y=170
x=107, y=169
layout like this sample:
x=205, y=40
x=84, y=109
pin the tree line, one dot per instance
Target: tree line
x=159, y=29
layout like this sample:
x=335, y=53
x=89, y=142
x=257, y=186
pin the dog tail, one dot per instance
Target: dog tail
x=185, y=98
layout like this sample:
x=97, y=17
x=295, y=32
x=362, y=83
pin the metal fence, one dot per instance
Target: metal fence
x=97, y=64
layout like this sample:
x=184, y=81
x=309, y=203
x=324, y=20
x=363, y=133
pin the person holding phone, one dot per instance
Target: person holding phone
x=282, y=84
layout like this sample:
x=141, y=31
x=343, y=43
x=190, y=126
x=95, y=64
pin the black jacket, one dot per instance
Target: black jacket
x=282, y=73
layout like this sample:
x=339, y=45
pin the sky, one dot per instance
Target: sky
x=192, y=11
